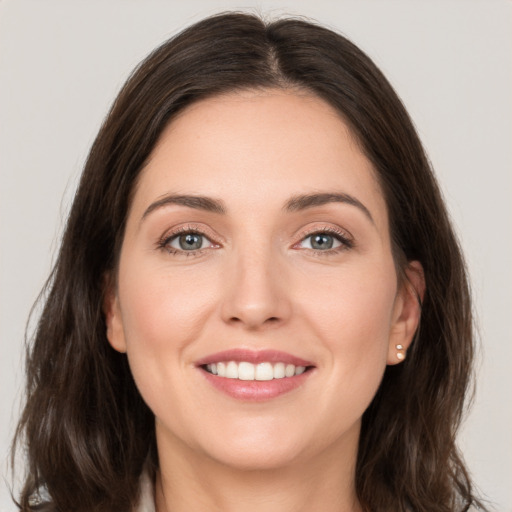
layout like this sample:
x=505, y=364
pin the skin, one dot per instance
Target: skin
x=258, y=283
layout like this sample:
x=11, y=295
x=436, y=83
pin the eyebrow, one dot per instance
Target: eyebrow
x=190, y=201
x=302, y=202
x=294, y=204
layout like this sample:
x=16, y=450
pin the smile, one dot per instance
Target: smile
x=250, y=375
x=249, y=371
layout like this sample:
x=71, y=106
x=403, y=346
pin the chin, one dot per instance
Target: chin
x=256, y=457
x=259, y=447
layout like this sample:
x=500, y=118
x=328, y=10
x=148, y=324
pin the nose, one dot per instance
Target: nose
x=255, y=292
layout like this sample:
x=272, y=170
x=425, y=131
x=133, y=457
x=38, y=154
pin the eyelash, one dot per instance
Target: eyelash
x=342, y=237
x=346, y=241
x=185, y=230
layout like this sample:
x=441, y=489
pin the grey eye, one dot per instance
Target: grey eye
x=321, y=241
x=189, y=242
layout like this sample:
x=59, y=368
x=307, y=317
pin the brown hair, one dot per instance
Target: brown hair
x=86, y=428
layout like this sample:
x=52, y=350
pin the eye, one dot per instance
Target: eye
x=326, y=240
x=321, y=241
x=185, y=241
x=188, y=242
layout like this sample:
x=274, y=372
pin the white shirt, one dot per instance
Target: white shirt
x=147, y=495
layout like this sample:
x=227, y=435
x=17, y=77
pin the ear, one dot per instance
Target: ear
x=406, y=312
x=113, y=318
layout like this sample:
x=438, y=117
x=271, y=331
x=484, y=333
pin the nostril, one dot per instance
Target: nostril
x=271, y=320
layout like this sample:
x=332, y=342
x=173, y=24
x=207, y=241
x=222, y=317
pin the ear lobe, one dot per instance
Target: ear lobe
x=113, y=318
x=407, y=312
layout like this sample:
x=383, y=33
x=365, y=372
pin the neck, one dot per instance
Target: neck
x=188, y=481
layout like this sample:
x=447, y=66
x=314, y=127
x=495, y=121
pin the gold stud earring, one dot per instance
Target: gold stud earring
x=400, y=355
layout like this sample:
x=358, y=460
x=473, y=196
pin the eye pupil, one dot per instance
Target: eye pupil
x=321, y=241
x=190, y=241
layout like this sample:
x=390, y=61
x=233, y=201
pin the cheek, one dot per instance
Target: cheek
x=162, y=309
x=355, y=303
x=163, y=313
x=352, y=317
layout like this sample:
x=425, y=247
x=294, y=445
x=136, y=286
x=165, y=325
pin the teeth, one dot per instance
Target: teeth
x=246, y=371
x=249, y=371
x=221, y=369
x=279, y=371
x=264, y=371
x=232, y=370
x=289, y=371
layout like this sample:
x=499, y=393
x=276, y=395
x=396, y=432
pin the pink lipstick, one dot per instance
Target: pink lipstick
x=254, y=375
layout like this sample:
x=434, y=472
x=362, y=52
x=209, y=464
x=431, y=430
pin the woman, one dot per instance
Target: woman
x=234, y=315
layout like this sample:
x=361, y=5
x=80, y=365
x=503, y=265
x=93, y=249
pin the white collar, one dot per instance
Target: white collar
x=147, y=494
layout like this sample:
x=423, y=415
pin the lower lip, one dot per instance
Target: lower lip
x=256, y=390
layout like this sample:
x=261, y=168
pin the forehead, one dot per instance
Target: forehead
x=254, y=148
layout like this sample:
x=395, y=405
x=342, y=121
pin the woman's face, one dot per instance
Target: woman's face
x=258, y=244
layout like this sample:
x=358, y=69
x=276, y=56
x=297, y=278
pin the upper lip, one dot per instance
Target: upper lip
x=253, y=356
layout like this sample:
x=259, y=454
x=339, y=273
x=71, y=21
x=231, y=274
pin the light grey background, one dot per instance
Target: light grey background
x=62, y=62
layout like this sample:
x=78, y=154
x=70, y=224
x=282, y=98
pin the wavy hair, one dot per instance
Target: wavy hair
x=85, y=429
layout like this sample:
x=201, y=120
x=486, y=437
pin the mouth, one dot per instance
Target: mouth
x=255, y=376
x=264, y=371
